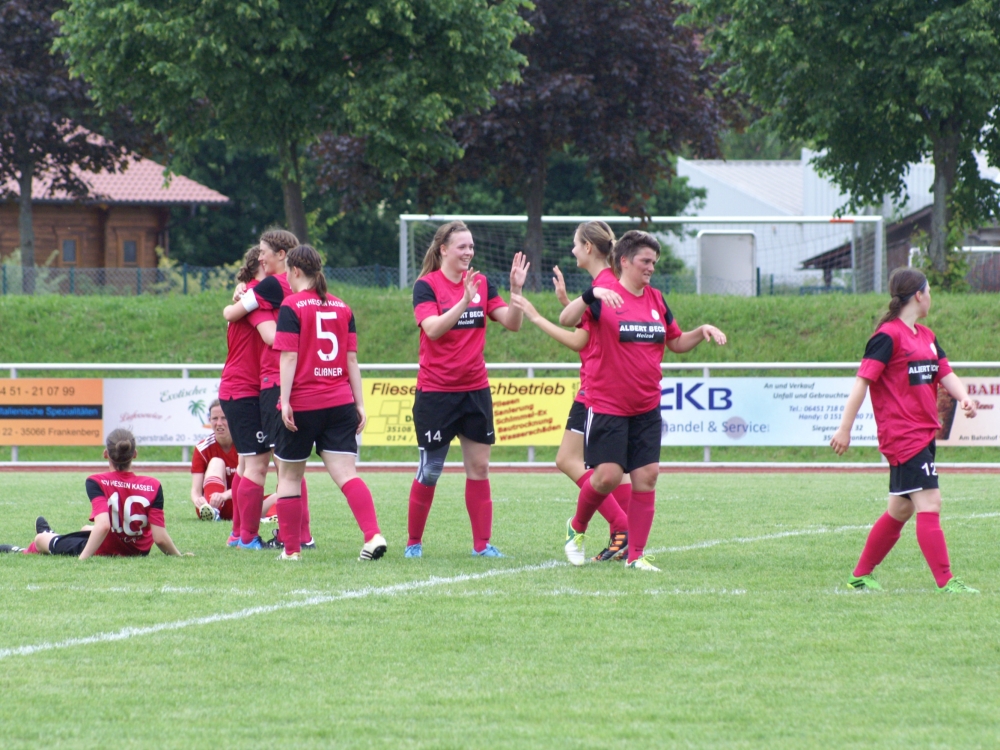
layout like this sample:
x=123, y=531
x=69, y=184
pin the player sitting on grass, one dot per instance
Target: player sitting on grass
x=126, y=510
x=903, y=365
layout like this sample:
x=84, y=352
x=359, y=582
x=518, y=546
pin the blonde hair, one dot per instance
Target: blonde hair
x=598, y=234
x=279, y=239
x=120, y=445
x=432, y=258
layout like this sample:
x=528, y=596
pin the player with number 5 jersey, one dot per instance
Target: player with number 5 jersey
x=903, y=367
x=451, y=303
x=322, y=404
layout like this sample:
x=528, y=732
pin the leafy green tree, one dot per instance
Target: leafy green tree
x=876, y=86
x=274, y=74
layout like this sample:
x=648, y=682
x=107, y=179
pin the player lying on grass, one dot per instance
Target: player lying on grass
x=593, y=243
x=631, y=326
x=903, y=365
x=214, y=468
x=126, y=511
x=322, y=404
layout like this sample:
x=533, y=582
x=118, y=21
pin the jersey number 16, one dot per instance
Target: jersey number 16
x=121, y=521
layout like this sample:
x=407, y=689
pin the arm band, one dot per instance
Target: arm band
x=249, y=300
x=588, y=296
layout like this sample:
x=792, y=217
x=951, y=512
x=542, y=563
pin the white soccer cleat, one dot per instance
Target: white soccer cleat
x=296, y=556
x=643, y=563
x=374, y=549
x=574, y=545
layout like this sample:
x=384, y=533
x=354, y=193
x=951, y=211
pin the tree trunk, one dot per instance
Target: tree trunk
x=534, y=241
x=291, y=189
x=945, y=170
x=26, y=228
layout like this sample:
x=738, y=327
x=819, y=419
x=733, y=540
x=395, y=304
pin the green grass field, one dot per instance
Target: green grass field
x=748, y=639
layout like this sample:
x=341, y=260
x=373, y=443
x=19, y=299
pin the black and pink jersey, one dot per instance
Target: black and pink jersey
x=241, y=373
x=208, y=449
x=904, y=368
x=624, y=379
x=604, y=279
x=322, y=332
x=270, y=293
x=454, y=362
x=133, y=504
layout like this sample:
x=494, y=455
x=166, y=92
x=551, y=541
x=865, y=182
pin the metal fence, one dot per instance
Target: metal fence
x=180, y=279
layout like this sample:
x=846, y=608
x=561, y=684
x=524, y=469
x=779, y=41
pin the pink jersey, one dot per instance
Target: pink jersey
x=904, y=369
x=454, y=362
x=625, y=377
x=322, y=332
x=604, y=279
x=241, y=374
x=133, y=504
x=208, y=449
x=270, y=293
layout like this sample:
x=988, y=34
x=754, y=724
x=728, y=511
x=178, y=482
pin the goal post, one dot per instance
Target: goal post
x=792, y=254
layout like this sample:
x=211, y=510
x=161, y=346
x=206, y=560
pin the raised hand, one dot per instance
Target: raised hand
x=560, y=286
x=470, y=283
x=521, y=303
x=518, y=272
x=712, y=333
x=607, y=295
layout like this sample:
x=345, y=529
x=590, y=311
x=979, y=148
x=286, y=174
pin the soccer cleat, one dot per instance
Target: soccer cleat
x=296, y=556
x=574, y=545
x=864, y=583
x=311, y=544
x=42, y=526
x=643, y=563
x=207, y=513
x=489, y=551
x=617, y=546
x=274, y=542
x=414, y=550
x=373, y=549
x=273, y=518
x=233, y=540
x=254, y=543
x=10, y=548
x=955, y=586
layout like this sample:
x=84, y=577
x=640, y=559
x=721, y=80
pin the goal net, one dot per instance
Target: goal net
x=790, y=255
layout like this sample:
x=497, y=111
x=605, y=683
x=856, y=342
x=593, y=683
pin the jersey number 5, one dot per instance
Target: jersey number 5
x=321, y=334
x=122, y=524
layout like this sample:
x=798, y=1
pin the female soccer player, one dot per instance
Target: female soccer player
x=213, y=467
x=592, y=246
x=322, y=403
x=623, y=428
x=903, y=364
x=126, y=510
x=260, y=307
x=451, y=303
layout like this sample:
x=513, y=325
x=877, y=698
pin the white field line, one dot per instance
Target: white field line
x=126, y=633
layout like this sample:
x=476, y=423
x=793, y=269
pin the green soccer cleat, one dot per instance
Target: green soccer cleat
x=643, y=563
x=574, y=545
x=207, y=513
x=864, y=583
x=955, y=586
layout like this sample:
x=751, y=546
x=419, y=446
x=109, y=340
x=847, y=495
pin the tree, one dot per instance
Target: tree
x=619, y=83
x=274, y=74
x=47, y=124
x=876, y=86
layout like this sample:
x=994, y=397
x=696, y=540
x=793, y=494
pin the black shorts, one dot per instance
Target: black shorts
x=577, y=421
x=69, y=544
x=438, y=416
x=630, y=442
x=243, y=416
x=270, y=414
x=332, y=430
x=916, y=474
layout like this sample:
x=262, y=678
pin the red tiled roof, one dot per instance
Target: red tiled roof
x=142, y=182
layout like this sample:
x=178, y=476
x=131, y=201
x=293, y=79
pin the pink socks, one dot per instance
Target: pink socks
x=421, y=497
x=641, y=510
x=932, y=544
x=479, y=503
x=881, y=539
x=359, y=498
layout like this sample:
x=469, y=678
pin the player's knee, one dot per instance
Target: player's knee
x=216, y=468
x=431, y=466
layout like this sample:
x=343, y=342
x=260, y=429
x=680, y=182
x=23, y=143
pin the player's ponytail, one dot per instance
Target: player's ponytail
x=306, y=259
x=598, y=234
x=251, y=262
x=432, y=258
x=903, y=284
x=120, y=445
